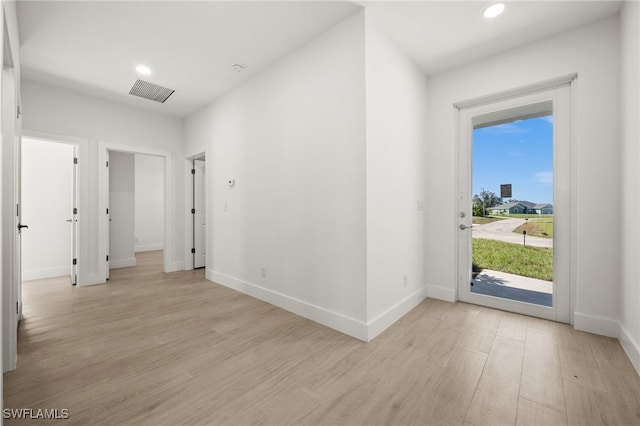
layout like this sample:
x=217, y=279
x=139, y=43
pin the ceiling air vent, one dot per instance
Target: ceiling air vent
x=147, y=90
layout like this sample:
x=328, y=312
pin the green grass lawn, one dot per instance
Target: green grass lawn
x=537, y=227
x=479, y=220
x=527, y=261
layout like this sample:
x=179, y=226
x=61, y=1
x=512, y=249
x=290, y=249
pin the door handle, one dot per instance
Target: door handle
x=20, y=226
x=463, y=226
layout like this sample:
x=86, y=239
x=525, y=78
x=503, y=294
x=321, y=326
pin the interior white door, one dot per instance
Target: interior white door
x=557, y=100
x=107, y=217
x=74, y=218
x=200, y=214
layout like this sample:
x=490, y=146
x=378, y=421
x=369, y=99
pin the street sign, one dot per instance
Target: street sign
x=505, y=190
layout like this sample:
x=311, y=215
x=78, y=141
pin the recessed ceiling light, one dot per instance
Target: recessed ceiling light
x=141, y=69
x=493, y=10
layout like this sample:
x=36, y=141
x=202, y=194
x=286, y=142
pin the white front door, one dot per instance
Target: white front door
x=545, y=297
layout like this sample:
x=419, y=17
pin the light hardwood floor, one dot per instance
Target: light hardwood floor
x=175, y=349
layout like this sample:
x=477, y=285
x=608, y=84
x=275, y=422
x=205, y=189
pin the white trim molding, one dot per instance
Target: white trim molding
x=441, y=293
x=335, y=320
x=148, y=247
x=631, y=347
x=597, y=325
x=394, y=313
x=40, y=273
x=122, y=263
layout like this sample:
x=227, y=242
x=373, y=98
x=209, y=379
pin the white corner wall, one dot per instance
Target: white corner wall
x=396, y=116
x=56, y=111
x=47, y=202
x=149, y=203
x=122, y=191
x=630, y=181
x=293, y=138
x=592, y=52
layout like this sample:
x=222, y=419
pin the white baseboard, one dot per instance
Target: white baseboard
x=441, y=293
x=91, y=279
x=393, y=314
x=175, y=266
x=122, y=263
x=597, y=325
x=631, y=348
x=38, y=274
x=148, y=247
x=342, y=323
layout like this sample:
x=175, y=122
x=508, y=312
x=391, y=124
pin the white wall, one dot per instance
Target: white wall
x=121, y=210
x=396, y=116
x=592, y=52
x=149, y=202
x=60, y=111
x=47, y=202
x=630, y=182
x=293, y=138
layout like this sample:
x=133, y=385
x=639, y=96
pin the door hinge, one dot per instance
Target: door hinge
x=75, y=261
x=107, y=164
x=193, y=171
x=107, y=211
x=75, y=160
x=17, y=310
x=193, y=250
x=18, y=111
x=107, y=258
x=75, y=210
x=193, y=211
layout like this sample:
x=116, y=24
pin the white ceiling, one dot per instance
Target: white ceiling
x=440, y=35
x=94, y=47
x=190, y=46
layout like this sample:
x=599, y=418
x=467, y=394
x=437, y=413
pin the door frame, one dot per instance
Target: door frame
x=81, y=190
x=103, y=194
x=561, y=91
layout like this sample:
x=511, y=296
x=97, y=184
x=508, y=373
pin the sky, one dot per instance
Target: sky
x=519, y=153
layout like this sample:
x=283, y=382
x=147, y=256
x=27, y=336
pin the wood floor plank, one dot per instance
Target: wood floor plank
x=541, y=372
x=495, y=399
x=150, y=348
x=531, y=413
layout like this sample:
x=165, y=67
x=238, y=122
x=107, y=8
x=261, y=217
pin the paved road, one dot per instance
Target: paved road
x=502, y=230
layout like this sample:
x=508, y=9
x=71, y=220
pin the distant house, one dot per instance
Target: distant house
x=522, y=207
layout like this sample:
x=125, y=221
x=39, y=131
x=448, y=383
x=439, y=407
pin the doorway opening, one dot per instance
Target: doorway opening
x=512, y=207
x=135, y=210
x=514, y=245
x=49, y=204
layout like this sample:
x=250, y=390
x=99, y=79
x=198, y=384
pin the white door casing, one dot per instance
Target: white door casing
x=558, y=94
